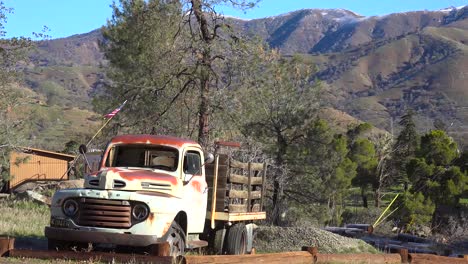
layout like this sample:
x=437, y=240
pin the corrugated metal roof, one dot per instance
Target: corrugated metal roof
x=35, y=150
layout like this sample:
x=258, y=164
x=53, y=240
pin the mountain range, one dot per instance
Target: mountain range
x=372, y=68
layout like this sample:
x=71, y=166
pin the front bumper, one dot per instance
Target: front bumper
x=101, y=237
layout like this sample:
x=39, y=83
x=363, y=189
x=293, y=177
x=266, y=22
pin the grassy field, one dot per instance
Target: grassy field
x=21, y=218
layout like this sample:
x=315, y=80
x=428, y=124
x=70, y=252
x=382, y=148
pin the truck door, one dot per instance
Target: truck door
x=195, y=190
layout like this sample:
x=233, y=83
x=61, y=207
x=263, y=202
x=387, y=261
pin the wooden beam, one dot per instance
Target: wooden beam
x=88, y=256
x=359, y=258
x=234, y=217
x=429, y=258
x=299, y=257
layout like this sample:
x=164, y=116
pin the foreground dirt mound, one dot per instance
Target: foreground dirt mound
x=278, y=239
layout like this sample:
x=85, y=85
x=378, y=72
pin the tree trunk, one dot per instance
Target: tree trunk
x=277, y=185
x=205, y=63
x=204, y=114
x=377, y=197
x=364, y=198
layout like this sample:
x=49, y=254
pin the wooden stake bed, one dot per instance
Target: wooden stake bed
x=234, y=217
x=237, y=189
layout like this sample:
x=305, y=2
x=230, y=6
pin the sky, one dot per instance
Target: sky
x=64, y=18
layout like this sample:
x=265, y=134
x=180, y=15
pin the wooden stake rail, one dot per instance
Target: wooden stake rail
x=308, y=255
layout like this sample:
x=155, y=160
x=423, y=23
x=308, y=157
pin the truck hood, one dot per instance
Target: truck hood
x=133, y=179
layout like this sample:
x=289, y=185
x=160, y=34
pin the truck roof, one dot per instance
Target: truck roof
x=153, y=139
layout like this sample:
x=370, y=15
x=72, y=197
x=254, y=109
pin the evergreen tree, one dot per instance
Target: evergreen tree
x=362, y=152
x=405, y=147
x=275, y=107
x=167, y=58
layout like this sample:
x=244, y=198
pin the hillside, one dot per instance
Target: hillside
x=374, y=67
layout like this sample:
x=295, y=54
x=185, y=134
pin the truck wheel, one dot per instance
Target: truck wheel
x=176, y=238
x=236, y=243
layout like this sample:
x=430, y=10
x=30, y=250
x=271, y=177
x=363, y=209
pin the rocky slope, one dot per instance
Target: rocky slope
x=372, y=67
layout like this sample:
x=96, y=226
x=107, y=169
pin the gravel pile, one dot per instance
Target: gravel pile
x=281, y=239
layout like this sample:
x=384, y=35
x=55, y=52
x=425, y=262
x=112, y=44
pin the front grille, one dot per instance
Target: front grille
x=105, y=213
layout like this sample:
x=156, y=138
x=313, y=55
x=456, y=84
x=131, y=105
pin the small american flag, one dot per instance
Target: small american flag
x=113, y=113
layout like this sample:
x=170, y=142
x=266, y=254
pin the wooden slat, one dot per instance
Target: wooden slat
x=237, y=208
x=242, y=165
x=232, y=194
x=219, y=207
x=236, y=178
x=255, y=208
x=249, y=189
x=263, y=185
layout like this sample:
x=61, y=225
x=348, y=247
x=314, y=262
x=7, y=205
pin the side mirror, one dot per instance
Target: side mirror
x=187, y=178
x=209, y=158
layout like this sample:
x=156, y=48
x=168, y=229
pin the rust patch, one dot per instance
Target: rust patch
x=151, y=218
x=166, y=228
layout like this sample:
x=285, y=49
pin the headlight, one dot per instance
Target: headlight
x=140, y=212
x=70, y=207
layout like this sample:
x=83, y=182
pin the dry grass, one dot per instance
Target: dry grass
x=22, y=218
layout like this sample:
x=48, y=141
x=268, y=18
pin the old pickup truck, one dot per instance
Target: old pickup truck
x=152, y=189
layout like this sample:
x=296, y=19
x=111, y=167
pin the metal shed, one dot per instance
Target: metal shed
x=37, y=165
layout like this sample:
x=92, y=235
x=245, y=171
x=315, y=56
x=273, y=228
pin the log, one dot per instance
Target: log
x=39, y=197
x=411, y=238
x=403, y=254
x=6, y=244
x=359, y=258
x=273, y=258
x=365, y=227
x=88, y=256
x=433, y=259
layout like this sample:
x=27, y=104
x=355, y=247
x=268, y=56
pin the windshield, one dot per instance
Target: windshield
x=143, y=156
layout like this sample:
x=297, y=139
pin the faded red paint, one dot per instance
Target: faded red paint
x=142, y=175
x=197, y=186
x=153, y=139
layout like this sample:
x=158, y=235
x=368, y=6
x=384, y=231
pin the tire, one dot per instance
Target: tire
x=236, y=241
x=175, y=236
